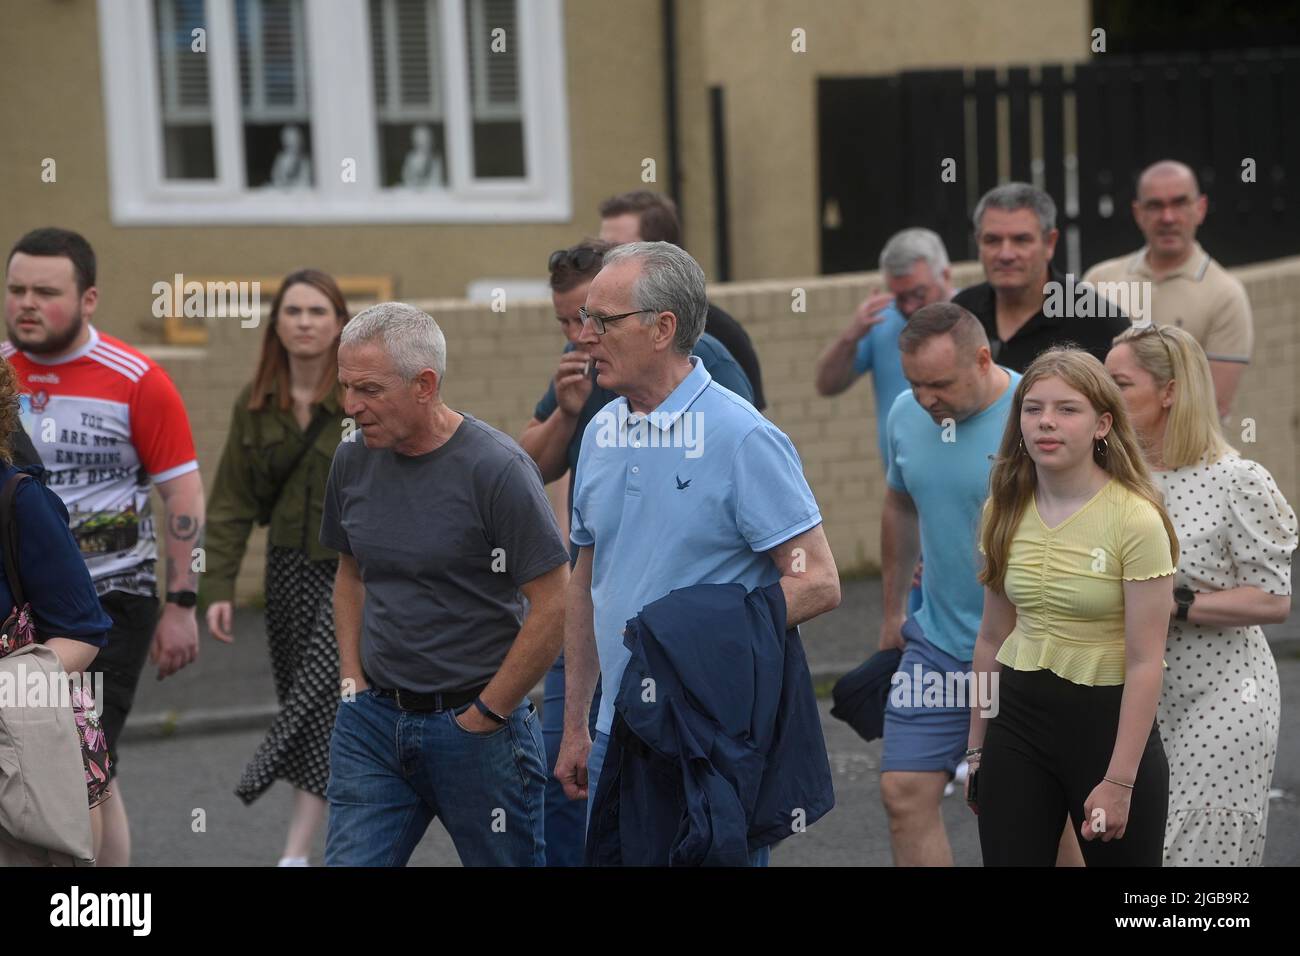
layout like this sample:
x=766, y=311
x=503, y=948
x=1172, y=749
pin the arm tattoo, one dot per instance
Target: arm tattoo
x=180, y=574
x=183, y=527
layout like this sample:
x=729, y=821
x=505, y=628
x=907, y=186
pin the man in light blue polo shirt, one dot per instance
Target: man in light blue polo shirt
x=683, y=482
x=941, y=436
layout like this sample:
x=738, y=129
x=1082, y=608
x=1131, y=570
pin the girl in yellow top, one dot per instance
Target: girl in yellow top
x=1078, y=576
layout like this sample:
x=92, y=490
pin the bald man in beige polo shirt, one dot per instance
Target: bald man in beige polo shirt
x=1188, y=288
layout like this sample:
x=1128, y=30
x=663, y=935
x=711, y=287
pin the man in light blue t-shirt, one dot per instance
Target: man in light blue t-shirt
x=941, y=436
x=682, y=482
x=915, y=268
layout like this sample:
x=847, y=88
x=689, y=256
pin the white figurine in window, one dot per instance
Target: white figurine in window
x=422, y=167
x=292, y=167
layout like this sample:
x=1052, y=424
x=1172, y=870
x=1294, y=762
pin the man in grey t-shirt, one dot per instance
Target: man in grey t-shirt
x=440, y=522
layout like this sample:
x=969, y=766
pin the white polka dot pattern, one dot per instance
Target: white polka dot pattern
x=1220, y=706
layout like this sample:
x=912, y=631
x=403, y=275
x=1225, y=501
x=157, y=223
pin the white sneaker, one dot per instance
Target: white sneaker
x=958, y=780
x=293, y=861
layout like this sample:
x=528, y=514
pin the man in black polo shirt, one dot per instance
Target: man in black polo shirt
x=1015, y=229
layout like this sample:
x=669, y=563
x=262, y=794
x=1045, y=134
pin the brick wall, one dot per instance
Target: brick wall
x=499, y=364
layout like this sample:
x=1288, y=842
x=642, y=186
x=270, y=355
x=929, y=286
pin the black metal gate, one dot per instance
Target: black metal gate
x=1083, y=133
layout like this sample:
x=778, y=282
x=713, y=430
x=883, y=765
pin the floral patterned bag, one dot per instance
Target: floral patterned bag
x=19, y=630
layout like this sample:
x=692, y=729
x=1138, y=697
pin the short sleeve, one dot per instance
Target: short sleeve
x=54, y=576
x=579, y=533
x=332, y=534
x=773, y=500
x=864, y=355
x=893, y=473
x=1144, y=550
x=523, y=524
x=547, y=405
x=1261, y=530
x=1231, y=337
x=160, y=428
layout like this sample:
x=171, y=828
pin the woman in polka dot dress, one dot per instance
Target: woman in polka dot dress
x=1220, y=707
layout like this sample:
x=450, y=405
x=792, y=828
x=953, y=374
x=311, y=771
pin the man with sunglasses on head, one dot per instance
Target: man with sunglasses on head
x=1188, y=288
x=553, y=439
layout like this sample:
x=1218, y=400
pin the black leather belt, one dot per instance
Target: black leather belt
x=428, y=703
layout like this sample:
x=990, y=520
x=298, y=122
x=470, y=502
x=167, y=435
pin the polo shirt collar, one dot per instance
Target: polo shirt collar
x=666, y=413
x=1193, y=268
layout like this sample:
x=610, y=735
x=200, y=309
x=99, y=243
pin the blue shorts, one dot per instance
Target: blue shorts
x=924, y=734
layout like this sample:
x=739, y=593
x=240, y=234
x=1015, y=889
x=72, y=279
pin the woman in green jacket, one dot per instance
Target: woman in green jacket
x=284, y=429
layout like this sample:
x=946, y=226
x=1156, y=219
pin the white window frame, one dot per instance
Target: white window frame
x=344, y=125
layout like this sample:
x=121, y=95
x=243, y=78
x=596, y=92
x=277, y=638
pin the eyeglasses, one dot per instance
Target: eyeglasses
x=916, y=295
x=598, y=322
x=1179, y=204
x=580, y=259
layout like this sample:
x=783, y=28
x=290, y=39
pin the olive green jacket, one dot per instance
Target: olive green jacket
x=259, y=448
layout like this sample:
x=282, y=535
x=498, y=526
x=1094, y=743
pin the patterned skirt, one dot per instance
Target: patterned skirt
x=1220, y=712
x=305, y=667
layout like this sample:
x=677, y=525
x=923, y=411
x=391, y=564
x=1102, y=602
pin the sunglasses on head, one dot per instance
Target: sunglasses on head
x=580, y=259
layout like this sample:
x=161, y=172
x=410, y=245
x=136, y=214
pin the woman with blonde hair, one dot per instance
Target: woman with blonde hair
x=1220, y=708
x=1079, y=559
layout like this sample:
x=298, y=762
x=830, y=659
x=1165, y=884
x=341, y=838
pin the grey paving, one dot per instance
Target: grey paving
x=215, y=710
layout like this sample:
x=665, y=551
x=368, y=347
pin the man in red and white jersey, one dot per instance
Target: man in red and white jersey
x=108, y=422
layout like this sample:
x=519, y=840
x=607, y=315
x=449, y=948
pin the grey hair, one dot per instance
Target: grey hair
x=411, y=338
x=670, y=281
x=1013, y=196
x=905, y=249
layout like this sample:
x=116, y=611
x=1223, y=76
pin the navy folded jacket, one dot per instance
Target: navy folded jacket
x=716, y=749
x=861, y=695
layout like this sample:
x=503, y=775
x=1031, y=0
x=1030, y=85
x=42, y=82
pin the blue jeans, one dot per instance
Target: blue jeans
x=565, y=819
x=392, y=772
x=596, y=760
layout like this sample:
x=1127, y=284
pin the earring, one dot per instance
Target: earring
x=1104, y=447
x=1021, y=450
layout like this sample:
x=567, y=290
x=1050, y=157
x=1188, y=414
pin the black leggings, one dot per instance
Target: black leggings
x=1046, y=749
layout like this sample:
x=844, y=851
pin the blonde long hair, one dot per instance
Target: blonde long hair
x=1169, y=354
x=1014, y=476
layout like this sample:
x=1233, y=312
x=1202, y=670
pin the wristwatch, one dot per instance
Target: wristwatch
x=182, y=598
x=1183, y=596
